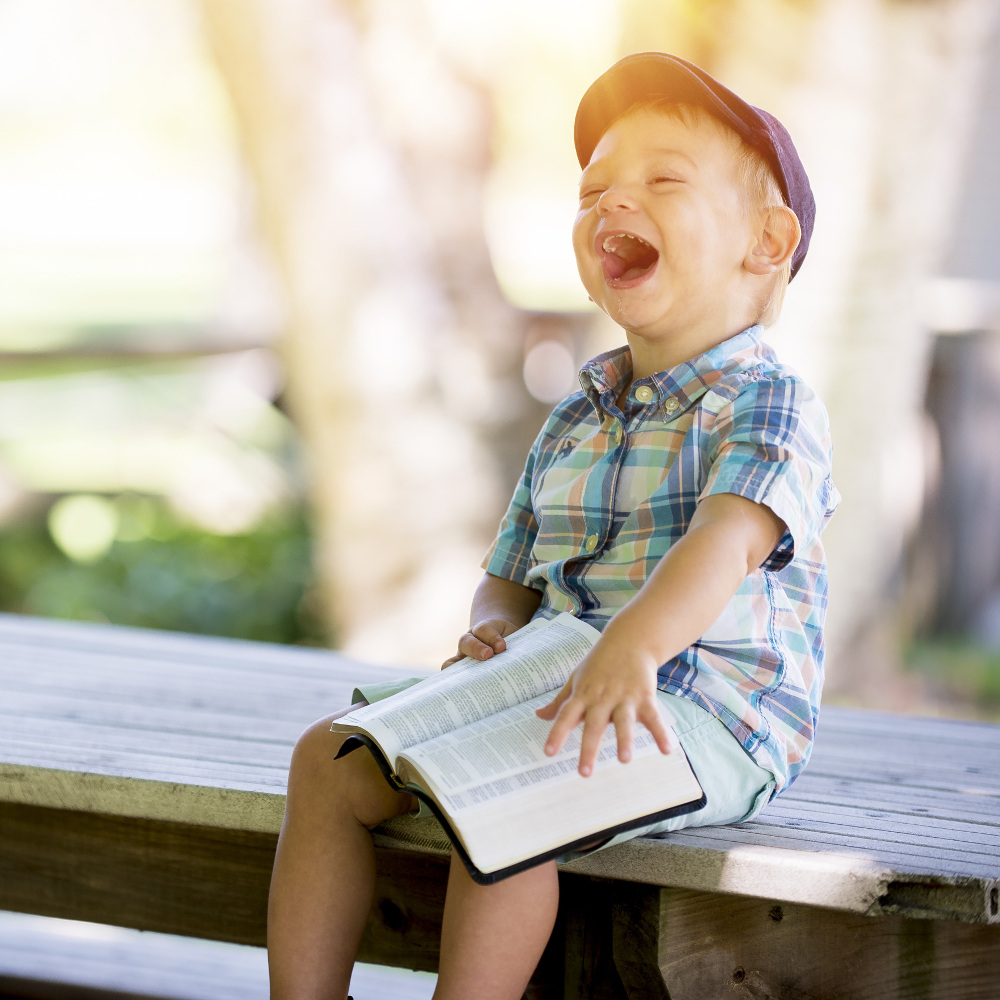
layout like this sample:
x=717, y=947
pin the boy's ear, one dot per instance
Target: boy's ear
x=777, y=238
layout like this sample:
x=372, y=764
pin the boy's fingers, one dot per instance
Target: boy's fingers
x=471, y=645
x=549, y=711
x=490, y=635
x=624, y=719
x=596, y=722
x=566, y=720
x=653, y=719
x=482, y=641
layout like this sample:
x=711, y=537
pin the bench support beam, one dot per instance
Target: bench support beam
x=613, y=940
x=195, y=880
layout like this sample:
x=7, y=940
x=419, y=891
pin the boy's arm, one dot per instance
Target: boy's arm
x=499, y=607
x=729, y=537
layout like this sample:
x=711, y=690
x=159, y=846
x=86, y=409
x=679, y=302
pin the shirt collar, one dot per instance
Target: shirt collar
x=675, y=389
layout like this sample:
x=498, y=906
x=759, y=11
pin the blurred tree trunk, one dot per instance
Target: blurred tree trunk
x=879, y=95
x=956, y=554
x=954, y=570
x=367, y=154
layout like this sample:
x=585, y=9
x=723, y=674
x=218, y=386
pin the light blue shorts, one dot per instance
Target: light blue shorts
x=736, y=787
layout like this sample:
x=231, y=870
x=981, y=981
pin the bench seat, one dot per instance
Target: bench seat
x=142, y=779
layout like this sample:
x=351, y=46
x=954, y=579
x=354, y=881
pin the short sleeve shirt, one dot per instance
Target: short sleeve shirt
x=606, y=491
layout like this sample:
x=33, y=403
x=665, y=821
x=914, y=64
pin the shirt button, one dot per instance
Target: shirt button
x=644, y=393
x=671, y=405
x=591, y=543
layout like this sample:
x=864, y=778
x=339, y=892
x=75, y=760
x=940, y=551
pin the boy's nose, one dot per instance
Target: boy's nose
x=615, y=199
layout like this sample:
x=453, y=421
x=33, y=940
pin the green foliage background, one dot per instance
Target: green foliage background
x=172, y=576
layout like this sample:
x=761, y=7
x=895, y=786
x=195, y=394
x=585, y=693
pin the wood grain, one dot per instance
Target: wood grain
x=718, y=946
x=164, y=726
x=199, y=881
x=142, y=780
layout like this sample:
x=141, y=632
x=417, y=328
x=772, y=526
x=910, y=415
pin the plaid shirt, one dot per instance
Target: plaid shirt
x=606, y=492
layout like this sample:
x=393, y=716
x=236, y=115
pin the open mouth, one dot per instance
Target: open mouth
x=625, y=257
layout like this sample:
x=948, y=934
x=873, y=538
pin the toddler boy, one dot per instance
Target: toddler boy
x=675, y=502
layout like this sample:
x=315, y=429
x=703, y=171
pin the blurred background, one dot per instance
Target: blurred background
x=286, y=291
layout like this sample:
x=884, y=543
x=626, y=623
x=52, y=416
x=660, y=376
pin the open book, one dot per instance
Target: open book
x=467, y=743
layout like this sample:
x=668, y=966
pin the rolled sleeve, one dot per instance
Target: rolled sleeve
x=771, y=444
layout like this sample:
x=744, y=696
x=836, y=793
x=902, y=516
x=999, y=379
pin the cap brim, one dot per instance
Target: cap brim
x=646, y=76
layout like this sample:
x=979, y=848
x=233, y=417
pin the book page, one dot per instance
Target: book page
x=539, y=659
x=507, y=801
x=501, y=755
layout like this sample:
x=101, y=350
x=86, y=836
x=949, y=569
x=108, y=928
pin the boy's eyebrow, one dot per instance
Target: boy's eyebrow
x=657, y=151
x=670, y=151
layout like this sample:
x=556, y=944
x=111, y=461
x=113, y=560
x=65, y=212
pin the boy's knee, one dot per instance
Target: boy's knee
x=354, y=780
x=314, y=768
x=316, y=747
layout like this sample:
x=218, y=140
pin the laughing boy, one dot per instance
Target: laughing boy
x=675, y=502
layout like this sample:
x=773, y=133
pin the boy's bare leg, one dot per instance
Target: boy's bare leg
x=493, y=936
x=324, y=868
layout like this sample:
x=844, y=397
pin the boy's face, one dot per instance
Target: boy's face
x=662, y=234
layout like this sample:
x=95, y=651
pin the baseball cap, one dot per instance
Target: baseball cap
x=649, y=75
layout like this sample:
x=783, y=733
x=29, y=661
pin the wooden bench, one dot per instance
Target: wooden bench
x=142, y=780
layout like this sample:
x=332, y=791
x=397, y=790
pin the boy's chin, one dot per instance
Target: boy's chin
x=634, y=316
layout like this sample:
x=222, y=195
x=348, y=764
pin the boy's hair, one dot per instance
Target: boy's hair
x=758, y=185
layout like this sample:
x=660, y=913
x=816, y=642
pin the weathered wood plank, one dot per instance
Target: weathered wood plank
x=175, y=878
x=78, y=739
x=103, y=706
x=815, y=878
x=224, y=689
x=840, y=723
x=49, y=708
x=864, y=842
x=40, y=956
x=144, y=767
x=718, y=946
x=67, y=663
x=711, y=946
x=894, y=827
x=127, y=796
x=971, y=775
x=94, y=740
x=198, y=881
x=51, y=634
x=895, y=746
x=835, y=791
x=913, y=859
x=963, y=779
x=155, y=668
x=46, y=959
x=838, y=880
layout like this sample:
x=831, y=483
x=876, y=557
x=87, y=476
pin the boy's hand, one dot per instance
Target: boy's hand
x=482, y=640
x=615, y=685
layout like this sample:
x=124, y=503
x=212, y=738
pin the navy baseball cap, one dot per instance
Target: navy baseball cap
x=650, y=75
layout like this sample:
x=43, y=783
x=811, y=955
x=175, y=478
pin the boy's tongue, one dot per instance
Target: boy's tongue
x=625, y=257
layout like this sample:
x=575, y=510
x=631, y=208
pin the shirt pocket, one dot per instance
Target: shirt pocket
x=558, y=499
